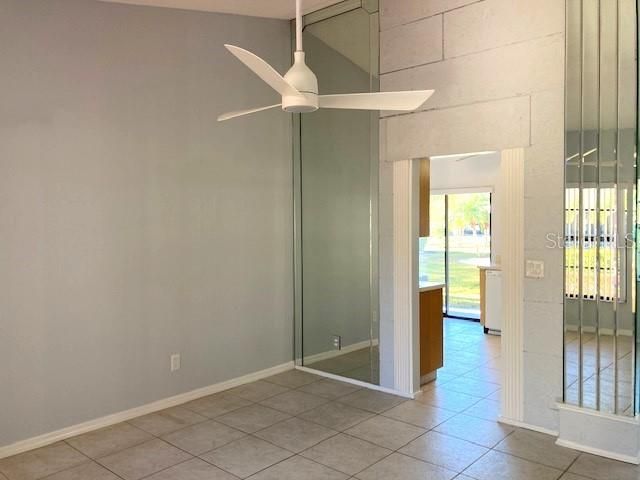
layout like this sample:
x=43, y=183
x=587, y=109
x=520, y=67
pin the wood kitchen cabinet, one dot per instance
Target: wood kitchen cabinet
x=431, y=330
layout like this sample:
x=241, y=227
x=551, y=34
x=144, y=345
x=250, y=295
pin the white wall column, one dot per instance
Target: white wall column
x=405, y=276
x=512, y=179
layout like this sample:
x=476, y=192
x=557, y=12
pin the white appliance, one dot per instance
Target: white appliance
x=493, y=307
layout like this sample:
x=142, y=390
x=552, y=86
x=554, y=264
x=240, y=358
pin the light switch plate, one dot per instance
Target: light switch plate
x=534, y=269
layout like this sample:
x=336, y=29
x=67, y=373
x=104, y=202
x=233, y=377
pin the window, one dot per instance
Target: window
x=459, y=242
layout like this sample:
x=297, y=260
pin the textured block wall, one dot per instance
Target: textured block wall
x=498, y=70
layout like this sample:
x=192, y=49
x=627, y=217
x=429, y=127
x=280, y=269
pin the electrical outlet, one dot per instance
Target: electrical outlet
x=175, y=362
x=337, y=342
x=534, y=269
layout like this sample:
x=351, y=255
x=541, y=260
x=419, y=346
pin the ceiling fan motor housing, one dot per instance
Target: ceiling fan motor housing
x=304, y=80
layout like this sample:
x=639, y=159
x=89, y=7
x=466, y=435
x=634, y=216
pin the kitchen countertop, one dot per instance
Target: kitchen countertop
x=489, y=267
x=428, y=286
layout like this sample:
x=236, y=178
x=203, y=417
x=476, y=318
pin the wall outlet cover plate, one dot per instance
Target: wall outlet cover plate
x=175, y=362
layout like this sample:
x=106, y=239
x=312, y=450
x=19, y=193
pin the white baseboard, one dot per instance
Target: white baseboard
x=336, y=353
x=352, y=381
x=528, y=426
x=621, y=331
x=599, y=433
x=599, y=452
x=625, y=332
x=91, y=425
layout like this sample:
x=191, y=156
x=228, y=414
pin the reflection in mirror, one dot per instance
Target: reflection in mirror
x=600, y=205
x=338, y=191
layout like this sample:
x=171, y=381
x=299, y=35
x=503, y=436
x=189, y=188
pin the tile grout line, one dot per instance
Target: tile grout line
x=91, y=460
x=335, y=432
x=169, y=467
x=192, y=456
x=397, y=450
x=494, y=448
x=392, y=451
x=485, y=453
x=137, y=444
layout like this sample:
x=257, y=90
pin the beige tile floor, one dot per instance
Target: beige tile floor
x=300, y=426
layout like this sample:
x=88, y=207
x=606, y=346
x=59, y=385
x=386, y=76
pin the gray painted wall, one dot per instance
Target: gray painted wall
x=132, y=225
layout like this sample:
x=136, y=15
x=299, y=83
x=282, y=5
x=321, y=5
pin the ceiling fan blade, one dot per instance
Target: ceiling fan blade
x=405, y=101
x=265, y=71
x=239, y=113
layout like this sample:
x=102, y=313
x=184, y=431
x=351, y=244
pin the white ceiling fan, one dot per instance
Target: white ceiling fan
x=299, y=86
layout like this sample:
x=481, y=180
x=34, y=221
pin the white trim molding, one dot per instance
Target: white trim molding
x=599, y=433
x=353, y=381
x=603, y=331
x=512, y=180
x=405, y=277
x=317, y=357
x=85, y=427
x=527, y=426
x=635, y=460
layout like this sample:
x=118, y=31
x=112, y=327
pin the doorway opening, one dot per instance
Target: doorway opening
x=457, y=253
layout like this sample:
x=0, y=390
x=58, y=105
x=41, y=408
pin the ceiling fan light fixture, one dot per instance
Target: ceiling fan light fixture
x=299, y=87
x=305, y=82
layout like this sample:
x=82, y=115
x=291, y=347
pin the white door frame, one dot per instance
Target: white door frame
x=405, y=280
x=406, y=209
x=512, y=180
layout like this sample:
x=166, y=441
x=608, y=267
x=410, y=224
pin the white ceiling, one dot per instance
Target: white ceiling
x=284, y=9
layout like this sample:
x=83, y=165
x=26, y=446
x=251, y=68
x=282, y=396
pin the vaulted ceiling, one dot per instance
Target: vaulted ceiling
x=284, y=9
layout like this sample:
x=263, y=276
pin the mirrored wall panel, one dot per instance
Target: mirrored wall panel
x=600, y=206
x=337, y=191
